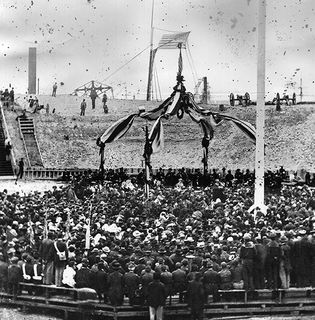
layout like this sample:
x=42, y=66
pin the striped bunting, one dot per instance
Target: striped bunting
x=205, y=125
x=156, y=136
x=118, y=129
x=157, y=112
x=244, y=126
x=171, y=108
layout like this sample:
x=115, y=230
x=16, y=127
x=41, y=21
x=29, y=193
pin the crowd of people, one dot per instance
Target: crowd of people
x=7, y=97
x=188, y=236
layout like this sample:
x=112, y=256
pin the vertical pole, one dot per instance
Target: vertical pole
x=260, y=115
x=205, y=93
x=149, y=87
x=147, y=155
x=301, y=90
x=37, y=86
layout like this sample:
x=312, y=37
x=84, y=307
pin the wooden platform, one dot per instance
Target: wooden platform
x=293, y=301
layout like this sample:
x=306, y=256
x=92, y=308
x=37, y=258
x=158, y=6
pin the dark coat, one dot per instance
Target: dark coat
x=98, y=281
x=156, y=294
x=195, y=295
x=44, y=249
x=116, y=288
x=15, y=274
x=179, y=280
x=83, y=278
x=167, y=279
x=53, y=256
x=3, y=271
x=211, y=281
x=131, y=281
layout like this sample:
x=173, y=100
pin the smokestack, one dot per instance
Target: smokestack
x=32, y=70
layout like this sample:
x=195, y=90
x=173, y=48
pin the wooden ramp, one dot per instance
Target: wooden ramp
x=28, y=135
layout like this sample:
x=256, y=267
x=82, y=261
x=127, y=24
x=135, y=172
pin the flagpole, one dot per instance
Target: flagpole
x=260, y=113
x=149, y=87
x=147, y=160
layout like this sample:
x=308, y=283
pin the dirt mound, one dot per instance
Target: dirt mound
x=67, y=140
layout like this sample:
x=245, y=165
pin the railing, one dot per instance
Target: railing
x=227, y=303
x=40, y=154
x=7, y=136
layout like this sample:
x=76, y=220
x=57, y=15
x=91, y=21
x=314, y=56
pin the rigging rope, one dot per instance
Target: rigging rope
x=192, y=61
x=138, y=54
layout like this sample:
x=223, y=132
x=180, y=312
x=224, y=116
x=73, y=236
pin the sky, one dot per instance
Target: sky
x=82, y=40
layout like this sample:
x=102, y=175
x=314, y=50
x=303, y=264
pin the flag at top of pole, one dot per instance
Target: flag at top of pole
x=260, y=112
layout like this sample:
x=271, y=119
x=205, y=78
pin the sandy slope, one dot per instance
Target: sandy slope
x=290, y=137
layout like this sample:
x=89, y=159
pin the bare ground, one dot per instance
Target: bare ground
x=290, y=137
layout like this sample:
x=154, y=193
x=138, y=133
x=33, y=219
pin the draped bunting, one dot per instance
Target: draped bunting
x=156, y=136
x=179, y=102
x=118, y=129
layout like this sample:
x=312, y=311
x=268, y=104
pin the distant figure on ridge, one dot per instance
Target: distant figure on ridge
x=93, y=96
x=54, y=89
x=104, y=100
x=83, y=107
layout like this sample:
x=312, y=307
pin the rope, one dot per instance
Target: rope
x=192, y=61
x=192, y=71
x=158, y=82
x=138, y=54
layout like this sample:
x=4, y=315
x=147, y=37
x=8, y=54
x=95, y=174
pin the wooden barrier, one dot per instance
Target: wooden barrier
x=233, y=303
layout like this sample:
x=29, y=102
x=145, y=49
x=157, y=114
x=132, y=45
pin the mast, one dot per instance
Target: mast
x=149, y=87
x=260, y=113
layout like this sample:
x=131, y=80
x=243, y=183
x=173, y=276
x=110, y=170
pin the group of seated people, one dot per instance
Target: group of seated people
x=113, y=239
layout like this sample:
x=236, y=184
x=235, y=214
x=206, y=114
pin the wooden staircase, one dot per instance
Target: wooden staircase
x=5, y=166
x=28, y=134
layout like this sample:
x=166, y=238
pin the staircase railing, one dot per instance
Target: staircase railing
x=7, y=136
x=40, y=154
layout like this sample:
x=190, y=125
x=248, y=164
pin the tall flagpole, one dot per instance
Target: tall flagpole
x=260, y=113
x=149, y=87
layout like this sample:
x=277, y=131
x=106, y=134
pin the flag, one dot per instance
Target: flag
x=88, y=234
x=118, y=129
x=156, y=136
x=172, y=40
x=31, y=232
x=45, y=226
x=68, y=226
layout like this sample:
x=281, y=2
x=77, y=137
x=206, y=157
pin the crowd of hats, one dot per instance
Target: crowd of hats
x=182, y=218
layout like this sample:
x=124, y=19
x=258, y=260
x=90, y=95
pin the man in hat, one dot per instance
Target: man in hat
x=15, y=276
x=273, y=261
x=131, y=281
x=211, y=283
x=3, y=274
x=146, y=279
x=115, y=285
x=167, y=279
x=301, y=257
x=59, y=254
x=156, y=297
x=83, y=275
x=179, y=281
x=248, y=255
x=47, y=259
x=195, y=297
x=285, y=263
